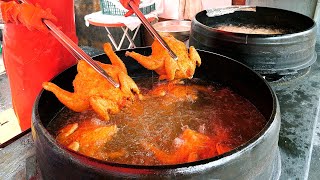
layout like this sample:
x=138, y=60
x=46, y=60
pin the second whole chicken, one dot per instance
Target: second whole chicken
x=162, y=63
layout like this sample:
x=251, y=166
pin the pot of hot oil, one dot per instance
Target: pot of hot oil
x=246, y=146
x=273, y=42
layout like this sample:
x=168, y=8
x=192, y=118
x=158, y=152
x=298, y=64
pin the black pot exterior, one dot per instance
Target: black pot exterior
x=253, y=160
x=283, y=54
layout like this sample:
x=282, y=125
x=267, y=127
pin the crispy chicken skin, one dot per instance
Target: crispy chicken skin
x=91, y=90
x=177, y=90
x=88, y=138
x=161, y=62
x=191, y=146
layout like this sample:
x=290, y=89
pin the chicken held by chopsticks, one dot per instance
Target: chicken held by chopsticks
x=162, y=63
x=91, y=90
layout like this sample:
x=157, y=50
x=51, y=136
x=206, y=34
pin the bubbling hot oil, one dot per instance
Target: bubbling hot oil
x=217, y=112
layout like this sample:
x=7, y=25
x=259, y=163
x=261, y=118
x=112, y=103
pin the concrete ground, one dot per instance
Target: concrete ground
x=9, y=125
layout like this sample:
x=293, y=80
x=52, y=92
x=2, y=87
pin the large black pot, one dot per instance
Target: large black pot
x=284, y=54
x=256, y=159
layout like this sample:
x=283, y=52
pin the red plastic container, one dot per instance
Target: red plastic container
x=32, y=57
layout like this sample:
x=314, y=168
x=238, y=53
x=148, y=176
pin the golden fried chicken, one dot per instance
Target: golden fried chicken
x=161, y=62
x=177, y=90
x=191, y=146
x=88, y=138
x=91, y=90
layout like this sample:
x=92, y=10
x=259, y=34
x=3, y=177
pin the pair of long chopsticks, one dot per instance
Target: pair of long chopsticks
x=151, y=30
x=75, y=50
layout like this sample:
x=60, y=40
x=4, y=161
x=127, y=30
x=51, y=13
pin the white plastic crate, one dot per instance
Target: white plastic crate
x=113, y=7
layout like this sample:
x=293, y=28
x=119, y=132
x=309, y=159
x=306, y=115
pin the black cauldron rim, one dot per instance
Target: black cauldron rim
x=263, y=37
x=216, y=160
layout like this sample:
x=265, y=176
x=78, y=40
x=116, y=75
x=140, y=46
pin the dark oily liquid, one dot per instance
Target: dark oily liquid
x=250, y=29
x=217, y=112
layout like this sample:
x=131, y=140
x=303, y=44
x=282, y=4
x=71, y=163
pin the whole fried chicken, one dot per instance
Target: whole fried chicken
x=177, y=91
x=162, y=63
x=191, y=146
x=89, y=138
x=91, y=90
